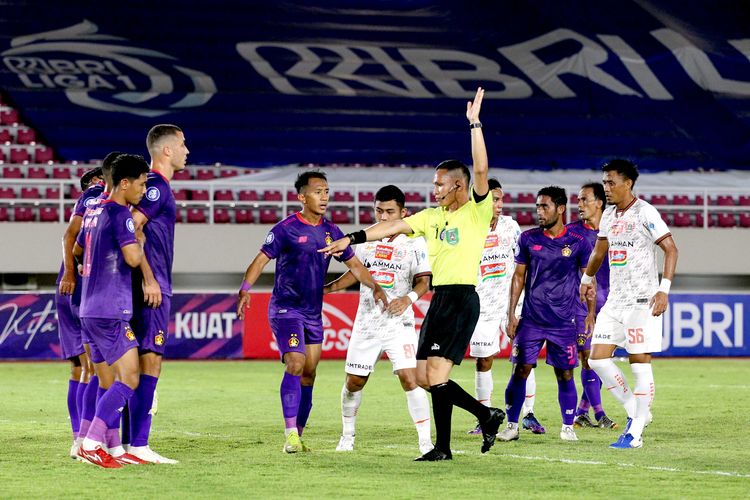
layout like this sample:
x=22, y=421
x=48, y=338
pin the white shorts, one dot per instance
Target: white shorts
x=485, y=341
x=364, y=352
x=635, y=329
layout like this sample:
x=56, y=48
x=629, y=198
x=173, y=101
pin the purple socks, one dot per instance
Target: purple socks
x=290, y=393
x=515, y=395
x=140, y=410
x=108, y=411
x=73, y=408
x=305, y=405
x=567, y=397
x=88, y=405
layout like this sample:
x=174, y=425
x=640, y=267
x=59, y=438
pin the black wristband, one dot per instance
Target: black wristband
x=475, y=125
x=358, y=237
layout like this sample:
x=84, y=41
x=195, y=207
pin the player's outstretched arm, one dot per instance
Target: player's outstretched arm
x=375, y=232
x=660, y=300
x=478, y=147
x=251, y=276
x=588, y=284
x=516, y=287
x=363, y=276
x=68, y=280
x=341, y=283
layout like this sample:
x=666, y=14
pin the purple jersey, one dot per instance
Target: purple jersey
x=106, y=286
x=602, y=275
x=300, y=268
x=552, y=276
x=159, y=206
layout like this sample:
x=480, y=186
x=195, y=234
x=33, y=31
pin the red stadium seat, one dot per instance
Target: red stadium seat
x=659, y=199
x=680, y=199
x=667, y=218
x=507, y=198
x=247, y=195
x=745, y=219
x=10, y=172
x=5, y=136
x=681, y=219
x=23, y=214
x=180, y=194
x=196, y=216
x=414, y=197
x=25, y=136
x=699, y=200
x=31, y=193
x=52, y=193
x=205, y=174
x=182, y=175
x=525, y=218
x=37, y=173
x=432, y=198
x=224, y=195
x=726, y=220
x=526, y=198
x=273, y=195
x=244, y=216
x=199, y=195
x=61, y=173
x=366, y=197
x=43, y=154
x=9, y=117
x=49, y=214
x=7, y=193
x=221, y=216
x=229, y=172
x=365, y=216
x=573, y=198
x=4, y=214
x=342, y=196
x=290, y=196
x=269, y=215
x=725, y=201
x=75, y=192
x=699, y=221
x=340, y=216
x=19, y=155
x=68, y=212
x=179, y=217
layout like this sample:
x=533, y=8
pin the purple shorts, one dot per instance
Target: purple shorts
x=68, y=327
x=109, y=339
x=151, y=326
x=294, y=331
x=583, y=340
x=561, y=346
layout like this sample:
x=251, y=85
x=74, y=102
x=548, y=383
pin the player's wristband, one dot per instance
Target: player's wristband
x=245, y=287
x=358, y=237
x=665, y=285
x=475, y=125
x=586, y=279
x=412, y=296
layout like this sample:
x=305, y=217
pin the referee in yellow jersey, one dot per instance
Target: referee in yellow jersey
x=455, y=233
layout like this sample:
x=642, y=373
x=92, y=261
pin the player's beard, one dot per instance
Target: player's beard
x=548, y=224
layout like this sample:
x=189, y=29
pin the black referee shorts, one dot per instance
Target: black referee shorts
x=449, y=323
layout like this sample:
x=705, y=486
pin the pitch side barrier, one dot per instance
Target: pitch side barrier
x=205, y=326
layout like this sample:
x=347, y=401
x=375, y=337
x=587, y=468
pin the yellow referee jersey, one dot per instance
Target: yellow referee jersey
x=455, y=240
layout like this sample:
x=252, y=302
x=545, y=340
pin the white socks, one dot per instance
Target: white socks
x=350, y=402
x=484, y=386
x=614, y=381
x=644, y=396
x=419, y=409
x=528, y=402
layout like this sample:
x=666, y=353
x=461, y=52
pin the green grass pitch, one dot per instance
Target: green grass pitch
x=222, y=420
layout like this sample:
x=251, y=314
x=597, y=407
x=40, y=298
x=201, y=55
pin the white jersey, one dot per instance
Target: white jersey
x=393, y=265
x=633, y=236
x=496, y=269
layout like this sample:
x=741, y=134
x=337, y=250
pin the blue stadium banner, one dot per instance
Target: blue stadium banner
x=201, y=326
x=268, y=83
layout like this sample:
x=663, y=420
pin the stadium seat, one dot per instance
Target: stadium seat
x=229, y=172
x=52, y=193
x=68, y=212
x=507, y=198
x=526, y=198
x=744, y=200
x=19, y=155
x=681, y=219
x=25, y=136
x=525, y=218
x=60, y=173
x=205, y=174
x=199, y=195
x=699, y=200
x=37, y=173
x=414, y=197
x=31, y=193
x=43, y=154
x=5, y=136
x=9, y=117
x=699, y=221
x=182, y=175
x=23, y=214
x=224, y=195
x=221, y=216
x=11, y=172
x=366, y=197
x=196, y=216
x=80, y=171
x=273, y=195
x=342, y=196
x=745, y=219
x=75, y=192
x=365, y=216
x=180, y=194
x=340, y=216
x=49, y=214
x=573, y=198
x=247, y=195
x=244, y=216
x=268, y=215
x=432, y=198
x=680, y=199
x=7, y=193
x=4, y=214
x=726, y=220
x=725, y=200
x=659, y=200
x=290, y=196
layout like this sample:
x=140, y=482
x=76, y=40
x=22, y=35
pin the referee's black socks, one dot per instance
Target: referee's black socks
x=463, y=399
x=444, y=396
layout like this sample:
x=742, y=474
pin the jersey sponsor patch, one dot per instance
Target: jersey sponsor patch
x=491, y=241
x=130, y=224
x=492, y=271
x=90, y=202
x=384, y=252
x=384, y=278
x=618, y=258
x=153, y=194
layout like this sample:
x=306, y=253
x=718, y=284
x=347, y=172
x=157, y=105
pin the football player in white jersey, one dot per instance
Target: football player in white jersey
x=400, y=265
x=629, y=232
x=494, y=278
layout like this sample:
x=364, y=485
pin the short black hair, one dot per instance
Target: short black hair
x=556, y=194
x=453, y=165
x=107, y=162
x=127, y=166
x=624, y=167
x=391, y=192
x=494, y=183
x=598, y=190
x=89, y=175
x=157, y=132
x=304, y=178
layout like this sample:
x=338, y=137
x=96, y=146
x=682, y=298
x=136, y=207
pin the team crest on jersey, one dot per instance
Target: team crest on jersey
x=129, y=333
x=515, y=350
x=90, y=202
x=491, y=241
x=153, y=194
x=130, y=225
x=159, y=339
x=384, y=252
x=618, y=258
x=581, y=340
x=566, y=251
x=269, y=238
x=450, y=236
x=329, y=240
x=293, y=340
